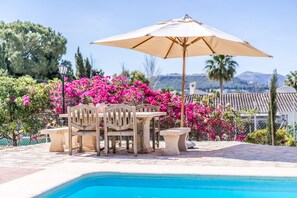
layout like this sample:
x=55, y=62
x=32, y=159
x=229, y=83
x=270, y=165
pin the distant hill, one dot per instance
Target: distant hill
x=264, y=79
x=174, y=81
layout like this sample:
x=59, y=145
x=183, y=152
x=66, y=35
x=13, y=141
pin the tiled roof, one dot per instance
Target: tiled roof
x=285, y=101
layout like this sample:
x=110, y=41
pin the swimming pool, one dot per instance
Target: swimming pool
x=161, y=186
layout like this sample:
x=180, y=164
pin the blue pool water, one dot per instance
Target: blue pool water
x=161, y=186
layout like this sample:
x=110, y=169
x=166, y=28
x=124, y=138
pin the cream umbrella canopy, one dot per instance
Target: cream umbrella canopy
x=180, y=38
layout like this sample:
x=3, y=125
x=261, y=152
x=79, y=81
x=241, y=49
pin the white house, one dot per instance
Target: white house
x=193, y=89
x=286, y=102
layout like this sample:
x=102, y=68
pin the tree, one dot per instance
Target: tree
x=79, y=64
x=167, y=89
x=132, y=76
x=292, y=79
x=30, y=49
x=3, y=59
x=125, y=72
x=221, y=68
x=151, y=70
x=271, y=123
x=88, y=68
x=84, y=67
x=96, y=72
x=3, y=72
x=138, y=76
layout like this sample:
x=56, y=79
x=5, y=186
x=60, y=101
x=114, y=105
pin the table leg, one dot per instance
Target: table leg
x=57, y=140
x=146, y=147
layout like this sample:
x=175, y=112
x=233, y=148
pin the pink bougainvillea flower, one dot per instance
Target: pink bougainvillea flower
x=26, y=100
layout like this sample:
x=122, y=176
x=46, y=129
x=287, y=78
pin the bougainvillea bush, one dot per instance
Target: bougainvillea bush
x=207, y=121
x=27, y=106
x=24, y=107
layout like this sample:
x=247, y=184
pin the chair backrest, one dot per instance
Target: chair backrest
x=83, y=117
x=147, y=108
x=119, y=117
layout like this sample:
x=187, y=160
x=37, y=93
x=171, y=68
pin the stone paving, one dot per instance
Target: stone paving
x=34, y=170
x=206, y=154
x=8, y=174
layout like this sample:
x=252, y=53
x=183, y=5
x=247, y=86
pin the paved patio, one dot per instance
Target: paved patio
x=30, y=165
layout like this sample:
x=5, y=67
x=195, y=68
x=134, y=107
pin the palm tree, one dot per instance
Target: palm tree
x=292, y=79
x=221, y=68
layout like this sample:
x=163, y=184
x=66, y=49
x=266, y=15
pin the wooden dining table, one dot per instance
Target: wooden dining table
x=146, y=118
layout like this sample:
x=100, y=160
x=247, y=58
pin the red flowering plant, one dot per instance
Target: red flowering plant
x=202, y=117
x=215, y=122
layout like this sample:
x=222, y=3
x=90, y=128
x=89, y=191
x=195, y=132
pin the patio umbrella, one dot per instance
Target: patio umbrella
x=180, y=38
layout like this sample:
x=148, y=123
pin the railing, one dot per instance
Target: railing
x=259, y=121
x=25, y=141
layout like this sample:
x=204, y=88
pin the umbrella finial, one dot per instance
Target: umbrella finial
x=187, y=17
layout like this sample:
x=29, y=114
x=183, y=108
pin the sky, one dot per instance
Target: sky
x=270, y=26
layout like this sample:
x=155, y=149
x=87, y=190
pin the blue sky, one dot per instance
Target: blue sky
x=270, y=26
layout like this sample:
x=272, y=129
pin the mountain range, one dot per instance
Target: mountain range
x=245, y=82
x=255, y=77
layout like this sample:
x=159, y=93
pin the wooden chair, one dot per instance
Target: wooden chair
x=155, y=125
x=84, y=118
x=120, y=121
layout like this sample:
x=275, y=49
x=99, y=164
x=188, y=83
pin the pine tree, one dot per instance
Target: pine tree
x=79, y=64
x=88, y=68
x=31, y=49
x=96, y=72
x=125, y=72
x=271, y=124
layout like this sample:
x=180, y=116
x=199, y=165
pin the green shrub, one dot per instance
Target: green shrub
x=292, y=128
x=24, y=105
x=282, y=138
x=256, y=137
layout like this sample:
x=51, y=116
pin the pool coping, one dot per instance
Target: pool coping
x=44, y=180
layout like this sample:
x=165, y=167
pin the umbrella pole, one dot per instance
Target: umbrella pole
x=183, y=88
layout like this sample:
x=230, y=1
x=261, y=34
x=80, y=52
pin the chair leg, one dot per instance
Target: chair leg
x=98, y=144
x=154, y=141
x=153, y=131
x=135, y=145
x=106, y=144
x=120, y=143
x=158, y=134
x=113, y=144
x=158, y=139
x=127, y=143
x=141, y=140
x=70, y=144
x=80, y=143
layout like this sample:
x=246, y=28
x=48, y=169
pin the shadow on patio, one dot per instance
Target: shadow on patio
x=240, y=151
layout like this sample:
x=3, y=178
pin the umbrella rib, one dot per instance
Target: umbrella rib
x=142, y=42
x=169, y=49
x=179, y=39
x=173, y=40
x=208, y=46
x=194, y=41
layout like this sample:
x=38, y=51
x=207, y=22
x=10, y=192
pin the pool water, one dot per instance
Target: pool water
x=161, y=186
